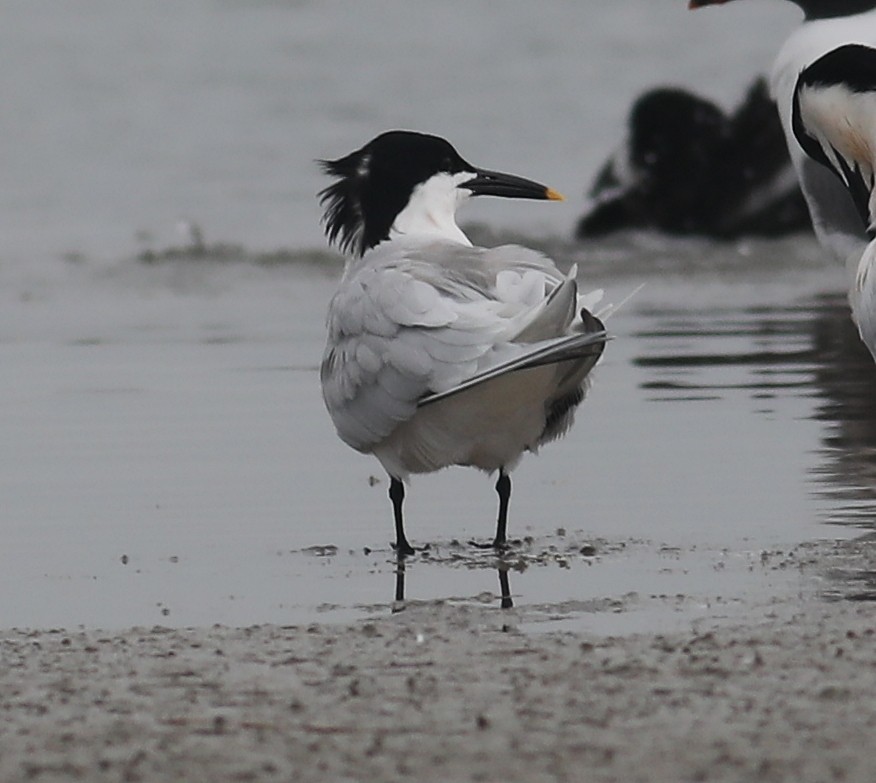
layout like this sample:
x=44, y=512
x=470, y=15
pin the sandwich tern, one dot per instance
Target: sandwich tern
x=440, y=353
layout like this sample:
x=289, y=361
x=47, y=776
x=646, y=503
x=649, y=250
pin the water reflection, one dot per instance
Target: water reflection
x=808, y=350
x=506, y=601
x=848, y=377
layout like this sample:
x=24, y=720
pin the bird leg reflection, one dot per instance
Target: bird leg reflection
x=398, y=604
x=505, y=588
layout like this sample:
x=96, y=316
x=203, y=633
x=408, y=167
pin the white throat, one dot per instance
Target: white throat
x=431, y=210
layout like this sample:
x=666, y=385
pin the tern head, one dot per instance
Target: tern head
x=814, y=9
x=404, y=182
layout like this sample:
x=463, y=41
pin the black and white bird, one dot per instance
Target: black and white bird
x=824, y=83
x=440, y=353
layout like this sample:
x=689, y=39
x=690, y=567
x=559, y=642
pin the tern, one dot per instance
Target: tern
x=440, y=353
x=824, y=83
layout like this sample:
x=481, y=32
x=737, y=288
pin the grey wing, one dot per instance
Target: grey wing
x=550, y=335
x=402, y=328
x=393, y=339
x=576, y=346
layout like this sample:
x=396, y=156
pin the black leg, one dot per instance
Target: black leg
x=397, y=496
x=500, y=542
x=505, y=587
x=503, y=487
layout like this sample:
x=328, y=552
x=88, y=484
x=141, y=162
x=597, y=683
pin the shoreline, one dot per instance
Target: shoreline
x=451, y=693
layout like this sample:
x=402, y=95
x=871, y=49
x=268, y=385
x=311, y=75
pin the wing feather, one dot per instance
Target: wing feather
x=575, y=346
x=410, y=322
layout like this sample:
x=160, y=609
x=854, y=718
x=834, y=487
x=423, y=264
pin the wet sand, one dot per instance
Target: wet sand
x=449, y=692
x=164, y=441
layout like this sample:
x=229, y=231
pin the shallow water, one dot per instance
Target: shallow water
x=165, y=457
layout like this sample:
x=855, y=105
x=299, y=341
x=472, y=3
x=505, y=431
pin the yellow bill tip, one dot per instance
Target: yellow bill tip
x=553, y=195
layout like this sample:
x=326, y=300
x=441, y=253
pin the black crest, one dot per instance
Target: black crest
x=343, y=220
x=374, y=184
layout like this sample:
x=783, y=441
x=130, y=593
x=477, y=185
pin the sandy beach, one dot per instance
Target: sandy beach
x=444, y=692
x=666, y=628
x=195, y=573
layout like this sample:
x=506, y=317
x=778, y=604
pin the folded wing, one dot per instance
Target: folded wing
x=409, y=327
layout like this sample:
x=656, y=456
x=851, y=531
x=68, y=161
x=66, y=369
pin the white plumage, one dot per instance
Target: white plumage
x=824, y=84
x=415, y=319
x=834, y=215
x=440, y=353
x=862, y=294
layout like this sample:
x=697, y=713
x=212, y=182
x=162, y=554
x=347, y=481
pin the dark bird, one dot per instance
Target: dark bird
x=686, y=167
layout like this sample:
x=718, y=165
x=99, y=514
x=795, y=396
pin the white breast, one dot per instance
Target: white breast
x=862, y=294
